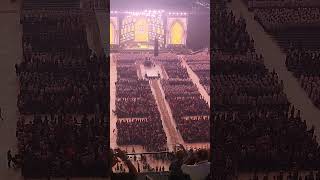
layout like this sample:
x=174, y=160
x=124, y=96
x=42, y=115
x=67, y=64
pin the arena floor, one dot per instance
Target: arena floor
x=168, y=122
x=274, y=58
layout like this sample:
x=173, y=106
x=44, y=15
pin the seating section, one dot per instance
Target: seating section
x=139, y=121
x=255, y=126
x=200, y=65
x=50, y=4
x=298, y=26
x=256, y=4
x=304, y=64
x=190, y=111
x=63, y=95
x=229, y=34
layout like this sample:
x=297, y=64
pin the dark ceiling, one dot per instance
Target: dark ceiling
x=151, y=4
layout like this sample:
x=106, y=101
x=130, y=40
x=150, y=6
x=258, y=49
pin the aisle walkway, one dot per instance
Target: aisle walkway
x=10, y=53
x=195, y=79
x=168, y=123
x=274, y=58
x=113, y=118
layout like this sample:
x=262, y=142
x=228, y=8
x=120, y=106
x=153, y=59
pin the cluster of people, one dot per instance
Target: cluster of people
x=305, y=66
x=139, y=121
x=63, y=145
x=63, y=84
x=245, y=91
x=194, y=129
x=268, y=139
x=178, y=48
x=255, y=127
x=281, y=3
x=291, y=174
x=134, y=98
x=246, y=64
x=142, y=162
x=228, y=33
x=185, y=164
x=278, y=19
x=147, y=132
x=55, y=78
x=174, y=70
x=188, y=107
x=126, y=69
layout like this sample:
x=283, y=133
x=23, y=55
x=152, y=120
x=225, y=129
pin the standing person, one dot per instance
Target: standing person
x=17, y=68
x=199, y=169
x=1, y=114
x=175, y=167
x=132, y=174
x=9, y=158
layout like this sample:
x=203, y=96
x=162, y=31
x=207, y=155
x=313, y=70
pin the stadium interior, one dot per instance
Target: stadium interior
x=160, y=90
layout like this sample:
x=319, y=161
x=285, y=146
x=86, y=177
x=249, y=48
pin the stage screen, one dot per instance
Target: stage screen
x=176, y=30
x=114, y=30
x=140, y=29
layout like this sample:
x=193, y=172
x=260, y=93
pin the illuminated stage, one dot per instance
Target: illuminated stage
x=139, y=30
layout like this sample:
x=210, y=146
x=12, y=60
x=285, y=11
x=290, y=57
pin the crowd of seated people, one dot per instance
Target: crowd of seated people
x=173, y=70
x=63, y=85
x=139, y=121
x=278, y=19
x=252, y=4
x=293, y=173
x=228, y=33
x=254, y=110
x=247, y=64
x=305, y=64
x=63, y=145
x=242, y=88
x=178, y=48
x=55, y=78
x=190, y=111
x=200, y=65
x=271, y=139
x=50, y=4
x=146, y=132
x=259, y=129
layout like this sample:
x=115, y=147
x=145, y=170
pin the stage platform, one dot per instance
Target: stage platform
x=151, y=72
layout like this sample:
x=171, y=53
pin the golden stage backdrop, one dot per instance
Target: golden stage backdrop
x=176, y=30
x=112, y=40
x=141, y=30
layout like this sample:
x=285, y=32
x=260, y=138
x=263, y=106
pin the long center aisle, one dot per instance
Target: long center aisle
x=275, y=59
x=10, y=53
x=173, y=136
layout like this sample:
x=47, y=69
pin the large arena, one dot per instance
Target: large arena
x=159, y=85
x=94, y=89
x=160, y=90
